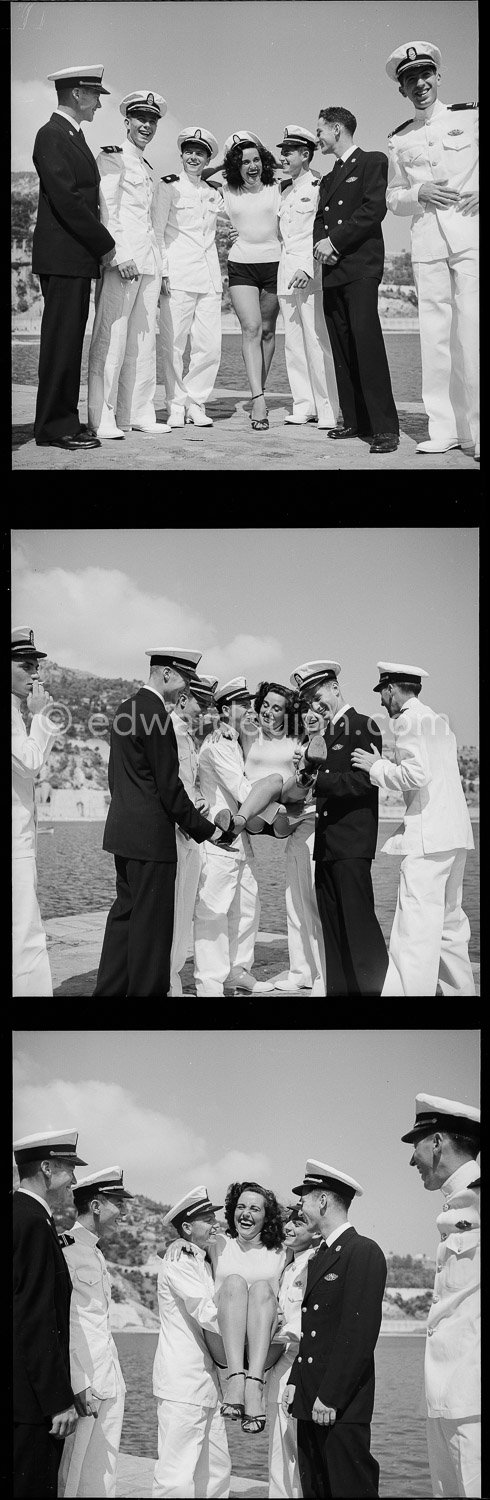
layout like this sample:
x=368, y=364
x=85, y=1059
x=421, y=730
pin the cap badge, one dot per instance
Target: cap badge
x=150, y=99
x=411, y=52
x=455, y=132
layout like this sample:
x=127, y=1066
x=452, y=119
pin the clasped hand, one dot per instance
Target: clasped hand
x=362, y=760
x=128, y=270
x=325, y=252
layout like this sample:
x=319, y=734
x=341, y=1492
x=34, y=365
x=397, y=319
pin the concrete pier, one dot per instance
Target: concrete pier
x=135, y=1478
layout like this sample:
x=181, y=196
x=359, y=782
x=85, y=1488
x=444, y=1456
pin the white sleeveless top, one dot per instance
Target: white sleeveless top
x=257, y=1264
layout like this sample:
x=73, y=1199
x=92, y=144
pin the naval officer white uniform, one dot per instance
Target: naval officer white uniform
x=227, y=910
x=430, y=934
x=439, y=148
x=189, y=854
x=452, y=1351
x=284, y=1477
x=89, y=1461
x=309, y=359
x=31, y=971
x=193, y=1458
x=186, y=212
x=122, y=358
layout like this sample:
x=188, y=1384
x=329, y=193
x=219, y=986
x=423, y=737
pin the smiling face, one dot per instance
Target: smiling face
x=272, y=712
x=298, y=1235
x=327, y=135
x=294, y=158
x=141, y=127
x=195, y=156
x=324, y=699
x=426, y=1156
x=251, y=166
x=88, y=102
x=419, y=84
x=249, y=1215
x=202, y=1230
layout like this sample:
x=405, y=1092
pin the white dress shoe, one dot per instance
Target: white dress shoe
x=240, y=979
x=154, y=428
x=293, y=421
x=432, y=446
x=290, y=986
x=109, y=432
x=177, y=418
x=197, y=415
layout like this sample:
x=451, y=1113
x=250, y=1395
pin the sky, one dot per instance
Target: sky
x=259, y=601
x=245, y=64
x=176, y=1108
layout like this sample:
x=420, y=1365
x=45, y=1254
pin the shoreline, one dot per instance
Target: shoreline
x=45, y=816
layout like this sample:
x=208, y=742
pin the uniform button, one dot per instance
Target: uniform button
x=430, y=1332
x=300, y=1359
x=435, y=1299
x=445, y=1209
x=340, y=202
x=443, y=1236
x=313, y=1334
x=315, y=1307
x=310, y=1359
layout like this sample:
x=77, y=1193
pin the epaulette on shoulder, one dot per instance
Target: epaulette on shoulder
x=400, y=127
x=286, y=182
x=109, y=149
x=315, y=181
x=474, y=105
x=171, y=177
x=66, y=1239
x=187, y=1249
x=476, y=1183
x=215, y=185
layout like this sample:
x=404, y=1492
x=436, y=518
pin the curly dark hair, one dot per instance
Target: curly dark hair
x=233, y=161
x=272, y=1234
x=294, y=721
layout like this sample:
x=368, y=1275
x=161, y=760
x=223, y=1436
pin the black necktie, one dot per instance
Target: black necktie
x=338, y=164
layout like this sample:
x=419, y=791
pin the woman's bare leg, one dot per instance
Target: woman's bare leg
x=246, y=302
x=232, y=1303
x=269, y=307
x=268, y=789
x=261, y=1319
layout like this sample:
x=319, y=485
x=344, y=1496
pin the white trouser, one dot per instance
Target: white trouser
x=226, y=920
x=430, y=932
x=89, y=1459
x=455, y=1456
x=189, y=864
x=284, y=1480
x=447, y=293
x=122, y=373
x=193, y=1458
x=197, y=314
x=31, y=971
x=305, y=937
x=309, y=359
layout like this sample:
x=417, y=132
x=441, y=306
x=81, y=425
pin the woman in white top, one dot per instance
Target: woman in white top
x=247, y=1264
x=252, y=197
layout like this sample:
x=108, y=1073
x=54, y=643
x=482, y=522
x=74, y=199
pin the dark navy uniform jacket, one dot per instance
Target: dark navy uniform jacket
x=346, y=800
x=147, y=795
x=42, y=1291
x=340, y=1323
x=69, y=239
x=351, y=208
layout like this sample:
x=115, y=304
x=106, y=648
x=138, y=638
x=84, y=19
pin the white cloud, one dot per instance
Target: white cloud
x=99, y=620
x=33, y=103
x=160, y=1154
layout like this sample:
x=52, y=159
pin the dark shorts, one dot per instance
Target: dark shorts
x=262, y=274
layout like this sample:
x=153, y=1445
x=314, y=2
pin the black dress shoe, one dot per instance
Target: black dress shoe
x=342, y=432
x=73, y=441
x=384, y=442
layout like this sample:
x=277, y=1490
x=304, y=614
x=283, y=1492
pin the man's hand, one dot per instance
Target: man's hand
x=165, y=287
x=64, y=1422
x=468, y=204
x=435, y=192
x=300, y=279
x=325, y=252
x=174, y=1249
x=362, y=760
x=225, y=731
x=128, y=270
x=108, y=257
x=287, y=1399
x=39, y=700
x=324, y=1415
x=86, y=1403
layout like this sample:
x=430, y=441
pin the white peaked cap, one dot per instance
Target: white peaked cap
x=318, y=1174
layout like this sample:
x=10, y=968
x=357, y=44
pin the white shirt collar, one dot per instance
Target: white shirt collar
x=132, y=150
x=340, y=713
x=70, y=119
x=460, y=1178
x=346, y=154
x=152, y=689
x=29, y=1194
x=409, y=702
x=339, y=1230
x=82, y=1233
x=428, y=114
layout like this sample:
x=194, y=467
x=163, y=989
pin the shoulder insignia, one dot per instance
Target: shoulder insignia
x=148, y=164
x=286, y=182
x=187, y=1249
x=400, y=127
x=109, y=149
x=66, y=1239
x=215, y=185
x=171, y=177
x=476, y=1183
x=315, y=181
x=474, y=105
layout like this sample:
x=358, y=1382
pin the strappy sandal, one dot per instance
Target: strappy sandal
x=249, y=1423
x=227, y=837
x=233, y=1409
x=259, y=426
